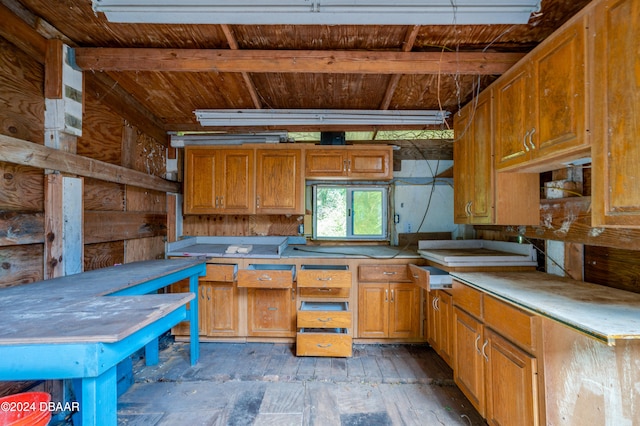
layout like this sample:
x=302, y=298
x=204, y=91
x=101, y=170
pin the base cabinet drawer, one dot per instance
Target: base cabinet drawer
x=324, y=342
x=324, y=319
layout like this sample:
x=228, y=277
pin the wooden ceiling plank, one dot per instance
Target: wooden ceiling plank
x=251, y=88
x=300, y=61
x=407, y=46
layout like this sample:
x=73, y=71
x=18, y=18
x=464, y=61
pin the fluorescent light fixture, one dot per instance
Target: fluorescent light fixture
x=182, y=140
x=318, y=117
x=319, y=12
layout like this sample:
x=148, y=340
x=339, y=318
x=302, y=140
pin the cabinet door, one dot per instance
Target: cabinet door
x=560, y=94
x=279, y=181
x=616, y=105
x=373, y=310
x=480, y=164
x=462, y=157
x=404, y=310
x=468, y=368
x=200, y=179
x=370, y=164
x=236, y=183
x=182, y=328
x=222, y=309
x=512, y=396
x=445, y=326
x=512, y=118
x=271, y=312
x=325, y=163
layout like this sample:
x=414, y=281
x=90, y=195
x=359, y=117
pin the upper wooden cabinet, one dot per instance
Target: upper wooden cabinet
x=219, y=181
x=349, y=162
x=248, y=180
x=541, y=114
x=616, y=109
x=480, y=195
x=279, y=182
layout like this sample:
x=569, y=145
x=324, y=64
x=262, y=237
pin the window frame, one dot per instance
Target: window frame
x=352, y=187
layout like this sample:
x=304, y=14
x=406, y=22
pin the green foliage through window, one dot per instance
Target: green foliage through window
x=350, y=212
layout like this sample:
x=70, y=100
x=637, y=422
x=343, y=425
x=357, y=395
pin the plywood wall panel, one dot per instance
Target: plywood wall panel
x=150, y=156
x=616, y=268
x=101, y=255
x=144, y=249
x=101, y=132
x=21, y=264
x=21, y=188
x=18, y=228
x=241, y=225
x=104, y=196
x=21, y=94
x=145, y=200
x=101, y=227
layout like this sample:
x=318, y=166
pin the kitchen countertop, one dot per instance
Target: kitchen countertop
x=364, y=251
x=607, y=314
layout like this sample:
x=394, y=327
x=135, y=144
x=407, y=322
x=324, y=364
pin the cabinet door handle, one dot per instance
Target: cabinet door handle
x=221, y=202
x=386, y=295
x=484, y=354
x=533, y=146
x=393, y=295
x=217, y=202
x=476, y=344
x=524, y=141
x=258, y=201
x=344, y=166
x=349, y=166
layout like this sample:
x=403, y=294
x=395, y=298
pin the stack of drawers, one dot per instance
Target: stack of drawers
x=324, y=318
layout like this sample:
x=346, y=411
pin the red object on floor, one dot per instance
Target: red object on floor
x=25, y=409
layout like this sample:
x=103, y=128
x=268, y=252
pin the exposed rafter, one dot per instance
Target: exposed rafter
x=296, y=61
x=251, y=88
x=407, y=45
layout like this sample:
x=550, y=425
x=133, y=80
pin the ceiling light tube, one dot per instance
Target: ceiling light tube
x=319, y=12
x=301, y=117
x=182, y=140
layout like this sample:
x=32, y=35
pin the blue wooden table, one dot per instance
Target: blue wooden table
x=81, y=326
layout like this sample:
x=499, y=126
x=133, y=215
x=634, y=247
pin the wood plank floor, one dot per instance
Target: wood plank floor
x=266, y=384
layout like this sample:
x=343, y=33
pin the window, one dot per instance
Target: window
x=349, y=212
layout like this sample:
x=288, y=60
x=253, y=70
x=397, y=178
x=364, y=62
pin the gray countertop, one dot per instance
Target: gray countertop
x=364, y=251
x=605, y=313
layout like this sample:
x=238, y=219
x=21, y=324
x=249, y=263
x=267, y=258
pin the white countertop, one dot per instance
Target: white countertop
x=605, y=313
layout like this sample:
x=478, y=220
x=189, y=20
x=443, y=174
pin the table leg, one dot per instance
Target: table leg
x=98, y=400
x=194, y=330
x=152, y=352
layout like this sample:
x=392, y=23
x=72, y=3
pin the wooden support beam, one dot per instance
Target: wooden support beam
x=293, y=61
x=22, y=35
x=100, y=227
x=53, y=220
x=18, y=151
x=407, y=45
x=251, y=88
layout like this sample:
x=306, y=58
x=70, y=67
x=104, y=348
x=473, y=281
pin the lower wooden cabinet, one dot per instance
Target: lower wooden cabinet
x=498, y=374
x=439, y=324
x=468, y=364
x=510, y=383
x=271, y=312
x=388, y=310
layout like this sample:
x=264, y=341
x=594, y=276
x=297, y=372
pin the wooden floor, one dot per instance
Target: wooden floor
x=266, y=384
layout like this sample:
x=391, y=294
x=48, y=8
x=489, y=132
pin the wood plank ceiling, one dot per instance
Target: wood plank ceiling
x=171, y=84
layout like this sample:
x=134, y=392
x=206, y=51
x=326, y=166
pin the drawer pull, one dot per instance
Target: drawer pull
x=264, y=278
x=388, y=273
x=326, y=345
x=328, y=290
x=272, y=309
x=323, y=279
x=325, y=320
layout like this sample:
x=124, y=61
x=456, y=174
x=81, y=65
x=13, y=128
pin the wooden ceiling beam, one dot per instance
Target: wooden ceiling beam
x=251, y=88
x=293, y=61
x=407, y=45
